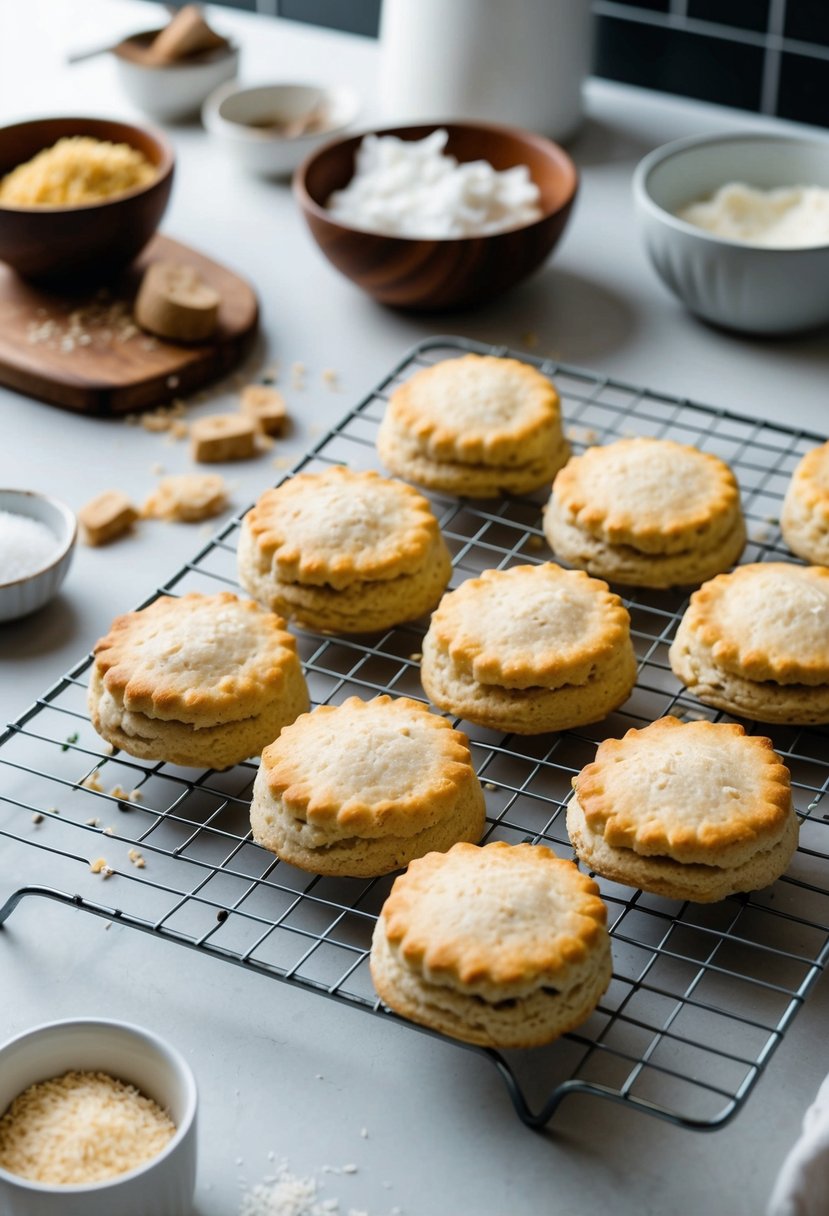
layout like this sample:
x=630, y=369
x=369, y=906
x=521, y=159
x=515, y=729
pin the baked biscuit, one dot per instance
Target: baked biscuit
x=503, y=946
x=361, y=788
x=204, y=680
x=646, y=512
x=756, y=643
x=805, y=517
x=530, y=649
x=689, y=810
x=344, y=551
x=478, y=426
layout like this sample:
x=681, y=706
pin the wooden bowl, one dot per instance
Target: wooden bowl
x=89, y=243
x=429, y=274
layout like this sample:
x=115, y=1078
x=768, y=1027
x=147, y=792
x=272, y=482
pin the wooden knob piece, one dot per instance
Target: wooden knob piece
x=174, y=302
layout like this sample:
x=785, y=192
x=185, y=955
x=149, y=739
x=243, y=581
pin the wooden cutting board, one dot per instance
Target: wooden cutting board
x=85, y=352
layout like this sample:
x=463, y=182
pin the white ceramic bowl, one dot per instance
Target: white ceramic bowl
x=740, y=286
x=228, y=112
x=163, y=1186
x=24, y=595
x=172, y=92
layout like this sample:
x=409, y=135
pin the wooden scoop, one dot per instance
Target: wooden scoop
x=187, y=34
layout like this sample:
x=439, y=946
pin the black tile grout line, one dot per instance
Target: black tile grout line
x=314, y=932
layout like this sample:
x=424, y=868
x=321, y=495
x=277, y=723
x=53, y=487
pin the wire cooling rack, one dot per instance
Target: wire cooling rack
x=701, y=994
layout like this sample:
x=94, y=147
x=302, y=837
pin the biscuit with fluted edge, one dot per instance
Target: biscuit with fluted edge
x=500, y=945
x=344, y=551
x=479, y=425
x=755, y=642
x=361, y=788
x=689, y=810
x=646, y=512
x=204, y=680
x=529, y=649
x=804, y=520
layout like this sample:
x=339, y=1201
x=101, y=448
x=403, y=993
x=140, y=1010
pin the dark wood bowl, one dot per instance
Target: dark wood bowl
x=427, y=274
x=90, y=243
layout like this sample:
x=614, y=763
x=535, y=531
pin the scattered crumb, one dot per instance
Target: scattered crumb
x=364, y=1133
x=100, y=866
x=187, y=498
x=298, y=369
x=37, y=817
x=107, y=925
x=137, y=860
x=282, y=462
x=108, y=831
x=319, y=1076
x=179, y=429
x=118, y=791
x=415, y=657
x=106, y=517
x=330, y=379
x=92, y=823
x=93, y=782
x=535, y=542
x=172, y=381
x=490, y=785
x=350, y=1168
x=136, y=796
x=53, y=810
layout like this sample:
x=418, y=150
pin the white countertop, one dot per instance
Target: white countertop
x=279, y=1070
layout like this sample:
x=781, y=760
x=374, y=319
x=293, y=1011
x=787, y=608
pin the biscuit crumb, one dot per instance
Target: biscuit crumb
x=330, y=379
x=118, y=791
x=108, y=831
x=137, y=859
x=100, y=866
x=415, y=657
x=93, y=782
x=136, y=796
x=535, y=542
x=220, y=437
x=106, y=517
x=266, y=406
x=490, y=785
x=349, y=1169
x=364, y=1133
x=37, y=817
x=187, y=498
x=92, y=823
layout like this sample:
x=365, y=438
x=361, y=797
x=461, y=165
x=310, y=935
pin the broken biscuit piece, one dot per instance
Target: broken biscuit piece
x=106, y=517
x=174, y=302
x=266, y=406
x=222, y=437
x=187, y=497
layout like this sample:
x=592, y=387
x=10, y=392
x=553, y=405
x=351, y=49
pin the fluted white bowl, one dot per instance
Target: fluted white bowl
x=740, y=286
x=164, y=1185
x=23, y=595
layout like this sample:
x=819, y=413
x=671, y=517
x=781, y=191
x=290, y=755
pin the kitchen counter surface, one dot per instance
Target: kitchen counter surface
x=282, y=1074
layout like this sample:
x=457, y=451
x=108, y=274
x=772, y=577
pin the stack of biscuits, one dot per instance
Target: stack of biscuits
x=477, y=426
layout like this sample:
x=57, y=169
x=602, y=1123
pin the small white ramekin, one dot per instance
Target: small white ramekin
x=24, y=595
x=743, y=287
x=163, y=1186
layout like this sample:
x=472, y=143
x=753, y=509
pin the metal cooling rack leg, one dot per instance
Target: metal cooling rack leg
x=61, y=897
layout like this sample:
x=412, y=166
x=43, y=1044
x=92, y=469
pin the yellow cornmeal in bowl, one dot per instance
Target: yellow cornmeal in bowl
x=81, y=1127
x=76, y=170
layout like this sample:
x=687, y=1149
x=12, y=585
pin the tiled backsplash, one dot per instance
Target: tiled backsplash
x=766, y=55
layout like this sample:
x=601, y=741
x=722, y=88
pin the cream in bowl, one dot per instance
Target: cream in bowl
x=270, y=129
x=37, y=541
x=736, y=268
x=96, y=1118
x=788, y=217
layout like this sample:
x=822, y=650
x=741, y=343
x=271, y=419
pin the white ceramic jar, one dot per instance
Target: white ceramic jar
x=521, y=63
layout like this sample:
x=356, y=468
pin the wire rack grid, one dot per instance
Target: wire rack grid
x=701, y=994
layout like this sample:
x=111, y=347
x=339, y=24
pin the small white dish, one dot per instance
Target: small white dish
x=24, y=595
x=172, y=92
x=739, y=286
x=235, y=116
x=164, y=1185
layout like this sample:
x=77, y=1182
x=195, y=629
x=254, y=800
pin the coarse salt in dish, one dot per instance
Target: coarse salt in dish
x=26, y=546
x=412, y=188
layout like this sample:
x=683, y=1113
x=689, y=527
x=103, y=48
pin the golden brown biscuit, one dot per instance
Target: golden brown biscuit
x=529, y=649
x=646, y=512
x=805, y=517
x=504, y=945
x=361, y=788
x=201, y=680
x=756, y=643
x=689, y=810
x=344, y=551
x=478, y=425
x=187, y=497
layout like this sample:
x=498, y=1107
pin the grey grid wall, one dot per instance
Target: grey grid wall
x=770, y=56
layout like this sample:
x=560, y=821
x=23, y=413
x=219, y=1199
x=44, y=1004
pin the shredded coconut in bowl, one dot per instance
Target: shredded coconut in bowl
x=412, y=188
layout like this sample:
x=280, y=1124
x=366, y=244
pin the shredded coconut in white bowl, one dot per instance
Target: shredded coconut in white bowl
x=412, y=188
